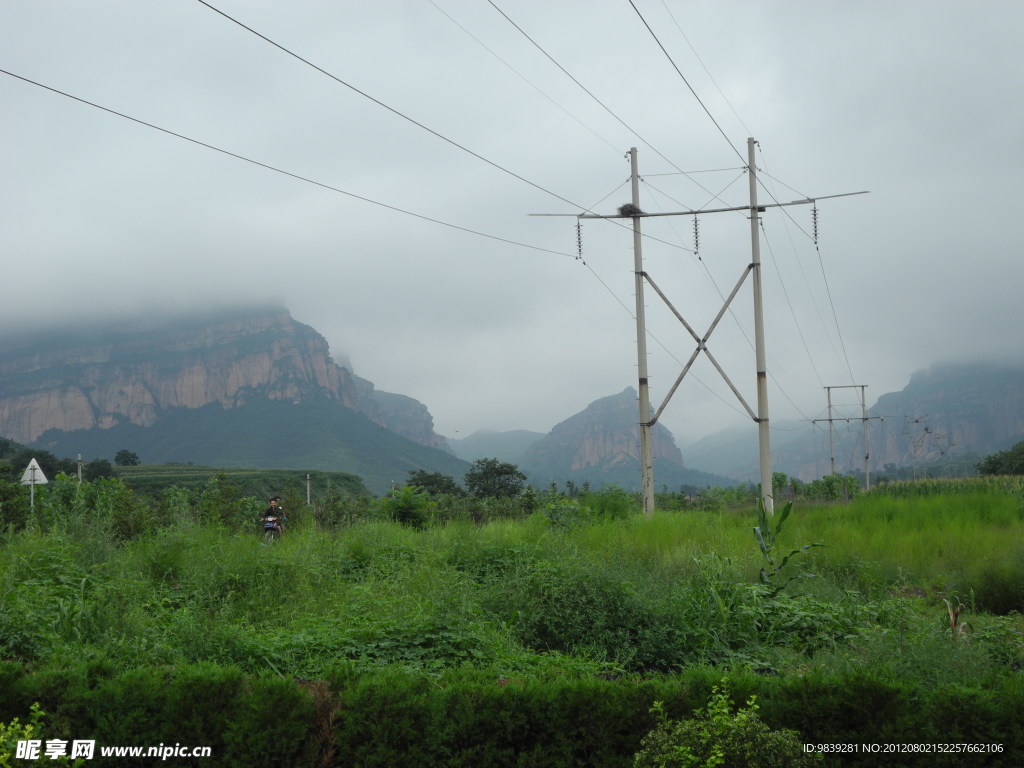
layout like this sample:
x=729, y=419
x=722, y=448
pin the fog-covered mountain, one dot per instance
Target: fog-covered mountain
x=241, y=388
x=945, y=418
x=256, y=388
x=510, y=446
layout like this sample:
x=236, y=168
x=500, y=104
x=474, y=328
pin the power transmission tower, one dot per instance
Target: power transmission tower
x=864, y=419
x=647, y=421
x=917, y=441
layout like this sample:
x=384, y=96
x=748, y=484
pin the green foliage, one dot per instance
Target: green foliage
x=483, y=608
x=314, y=434
x=612, y=503
x=98, y=469
x=435, y=483
x=14, y=505
x=570, y=606
x=14, y=458
x=493, y=478
x=1008, y=462
x=829, y=488
x=567, y=513
x=15, y=731
x=716, y=736
x=245, y=720
x=589, y=507
x=221, y=503
x=766, y=539
x=126, y=458
x=153, y=480
x=408, y=505
x=992, y=485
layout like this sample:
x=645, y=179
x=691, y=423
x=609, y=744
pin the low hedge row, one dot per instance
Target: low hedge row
x=245, y=720
x=471, y=718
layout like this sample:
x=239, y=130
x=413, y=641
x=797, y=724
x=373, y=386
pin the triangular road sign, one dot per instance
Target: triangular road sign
x=33, y=474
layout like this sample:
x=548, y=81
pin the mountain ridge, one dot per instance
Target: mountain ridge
x=99, y=376
x=235, y=386
x=948, y=414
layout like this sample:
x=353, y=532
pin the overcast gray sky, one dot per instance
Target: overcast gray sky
x=918, y=102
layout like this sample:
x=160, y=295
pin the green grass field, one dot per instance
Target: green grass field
x=912, y=594
x=604, y=593
x=152, y=479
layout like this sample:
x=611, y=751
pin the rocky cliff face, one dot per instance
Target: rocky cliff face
x=945, y=413
x=602, y=444
x=102, y=376
x=950, y=408
x=404, y=415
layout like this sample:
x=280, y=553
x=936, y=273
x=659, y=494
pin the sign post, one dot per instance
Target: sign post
x=33, y=476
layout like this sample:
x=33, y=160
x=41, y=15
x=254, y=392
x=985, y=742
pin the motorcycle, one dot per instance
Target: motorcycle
x=272, y=528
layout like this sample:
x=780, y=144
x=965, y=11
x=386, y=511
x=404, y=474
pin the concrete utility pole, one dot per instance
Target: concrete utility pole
x=864, y=418
x=763, y=436
x=646, y=455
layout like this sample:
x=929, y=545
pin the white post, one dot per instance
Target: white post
x=764, y=441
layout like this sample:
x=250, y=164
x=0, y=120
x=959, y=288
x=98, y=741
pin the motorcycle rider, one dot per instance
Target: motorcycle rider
x=274, y=516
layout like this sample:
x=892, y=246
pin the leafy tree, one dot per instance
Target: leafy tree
x=435, y=483
x=1008, y=462
x=832, y=487
x=781, y=486
x=97, y=469
x=494, y=479
x=16, y=458
x=221, y=501
x=126, y=458
x=409, y=506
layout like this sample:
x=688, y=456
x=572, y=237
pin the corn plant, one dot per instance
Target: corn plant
x=767, y=538
x=958, y=628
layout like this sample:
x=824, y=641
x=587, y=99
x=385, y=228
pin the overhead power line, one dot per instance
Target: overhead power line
x=283, y=172
x=705, y=66
x=687, y=82
x=813, y=237
x=587, y=91
x=406, y=117
x=521, y=76
x=389, y=108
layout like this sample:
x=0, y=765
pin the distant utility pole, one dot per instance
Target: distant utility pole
x=864, y=419
x=647, y=422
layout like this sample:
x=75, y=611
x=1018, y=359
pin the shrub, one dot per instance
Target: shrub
x=717, y=737
x=566, y=513
x=573, y=607
x=408, y=505
x=32, y=730
x=14, y=506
